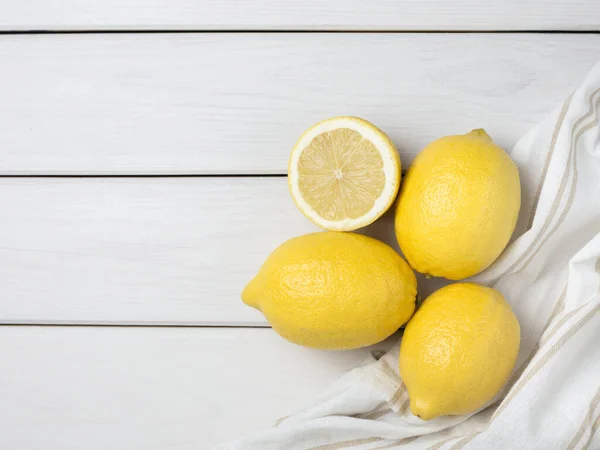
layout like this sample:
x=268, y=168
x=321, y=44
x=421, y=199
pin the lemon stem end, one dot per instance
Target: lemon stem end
x=480, y=133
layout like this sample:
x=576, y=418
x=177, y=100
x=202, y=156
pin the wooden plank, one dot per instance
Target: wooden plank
x=138, y=250
x=122, y=388
x=142, y=250
x=236, y=103
x=297, y=14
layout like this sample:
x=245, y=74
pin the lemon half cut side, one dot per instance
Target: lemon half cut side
x=344, y=173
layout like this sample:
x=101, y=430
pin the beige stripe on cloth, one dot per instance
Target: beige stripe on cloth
x=464, y=441
x=587, y=422
x=560, y=193
x=557, y=127
x=346, y=444
x=379, y=411
x=558, y=308
x=441, y=444
x=592, y=433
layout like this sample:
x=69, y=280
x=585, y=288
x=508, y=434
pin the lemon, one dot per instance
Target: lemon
x=334, y=290
x=458, y=206
x=458, y=350
x=344, y=173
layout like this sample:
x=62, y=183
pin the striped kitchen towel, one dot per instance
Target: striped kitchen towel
x=550, y=274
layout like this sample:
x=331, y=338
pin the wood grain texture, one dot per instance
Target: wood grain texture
x=299, y=14
x=236, y=103
x=138, y=250
x=165, y=388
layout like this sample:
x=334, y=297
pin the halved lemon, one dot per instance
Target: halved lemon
x=344, y=173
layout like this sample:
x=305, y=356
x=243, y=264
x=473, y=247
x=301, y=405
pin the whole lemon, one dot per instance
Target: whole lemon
x=334, y=290
x=458, y=206
x=458, y=350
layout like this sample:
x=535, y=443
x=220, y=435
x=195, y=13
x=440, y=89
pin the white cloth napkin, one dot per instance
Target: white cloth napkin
x=550, y=274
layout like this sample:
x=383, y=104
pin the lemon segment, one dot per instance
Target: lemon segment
x=344, y=173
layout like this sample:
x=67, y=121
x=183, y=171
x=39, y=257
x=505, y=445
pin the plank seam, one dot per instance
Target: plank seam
x=123, y=325
x=297, y=31
x=150, y=175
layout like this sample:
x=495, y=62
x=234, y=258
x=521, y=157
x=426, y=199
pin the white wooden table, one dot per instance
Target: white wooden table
x=143, y=151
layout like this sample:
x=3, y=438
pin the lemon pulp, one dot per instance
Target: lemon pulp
x=344, y=173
